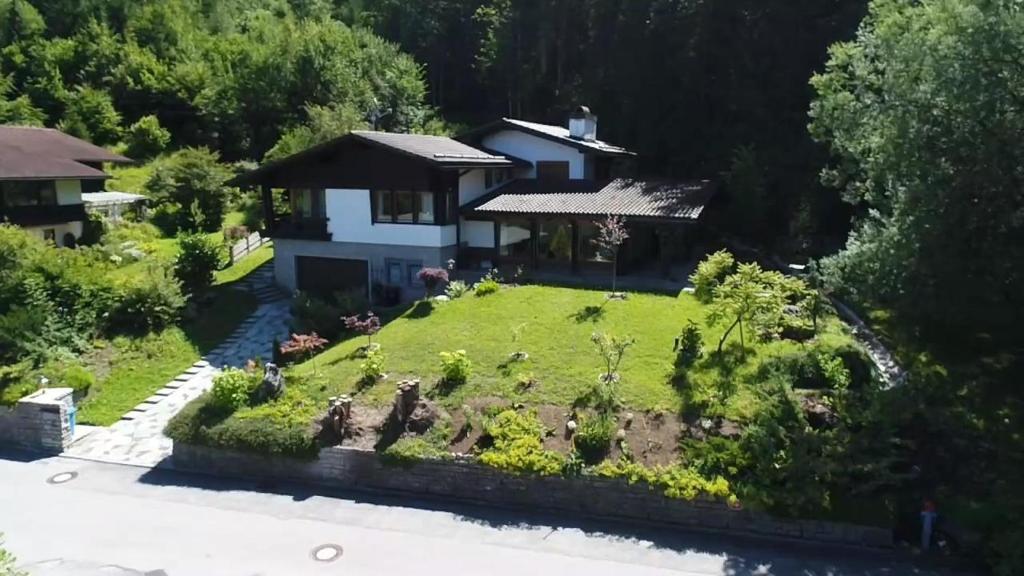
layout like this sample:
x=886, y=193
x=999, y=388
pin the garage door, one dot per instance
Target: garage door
x=328, y=275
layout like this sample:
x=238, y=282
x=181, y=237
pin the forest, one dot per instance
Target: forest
x=880, y=139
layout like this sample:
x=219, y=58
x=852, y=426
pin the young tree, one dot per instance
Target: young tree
x=432, y=278
x=304, y=346
x=198, y=259
x=612, y=349
x=146, y=138
x=611, y=234
x=367, y=327
x=751, y=298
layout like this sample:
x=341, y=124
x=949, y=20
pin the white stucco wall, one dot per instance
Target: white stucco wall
x=69, y=192
x=533, y=148
x=471, y=186
x=59, y=230
x=349, y=220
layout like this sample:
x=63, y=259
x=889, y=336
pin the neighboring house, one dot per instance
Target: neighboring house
x=43, y=173
x=375, y=207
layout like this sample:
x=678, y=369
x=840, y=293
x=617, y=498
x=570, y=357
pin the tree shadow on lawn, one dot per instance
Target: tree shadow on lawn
x=728, y=360
x=421, y=309
x=588, y=314
x=742, y=555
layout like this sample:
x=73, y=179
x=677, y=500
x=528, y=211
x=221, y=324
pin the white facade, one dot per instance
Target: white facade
x=350, y=219
x=58, y=231
x=534, y=149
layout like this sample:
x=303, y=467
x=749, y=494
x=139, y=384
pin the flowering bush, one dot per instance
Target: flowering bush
x=456, y=289
x=432, y=278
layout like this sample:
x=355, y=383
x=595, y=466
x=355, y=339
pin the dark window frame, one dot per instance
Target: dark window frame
x=37, y=189
x=417, y=206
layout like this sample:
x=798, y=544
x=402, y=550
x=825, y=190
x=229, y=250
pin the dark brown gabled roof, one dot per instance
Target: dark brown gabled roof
x=437, y=151
x=28, y=153
x=548, y=132
x=653, y=199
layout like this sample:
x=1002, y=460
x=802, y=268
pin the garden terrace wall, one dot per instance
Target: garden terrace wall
x=467, y=481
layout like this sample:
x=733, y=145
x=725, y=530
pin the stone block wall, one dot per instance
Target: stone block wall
x=39, y=422
x=466, y=481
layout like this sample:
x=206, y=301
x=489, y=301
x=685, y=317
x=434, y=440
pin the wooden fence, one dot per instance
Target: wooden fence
x=247, y=246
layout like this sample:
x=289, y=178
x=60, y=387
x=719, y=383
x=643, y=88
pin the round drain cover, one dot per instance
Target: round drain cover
x=326, y=553
x=62, y=477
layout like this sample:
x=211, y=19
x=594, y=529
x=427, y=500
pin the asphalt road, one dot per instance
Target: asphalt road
x=120, y=520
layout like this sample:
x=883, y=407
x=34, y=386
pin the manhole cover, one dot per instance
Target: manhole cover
x=326, y=553
x=62, y=477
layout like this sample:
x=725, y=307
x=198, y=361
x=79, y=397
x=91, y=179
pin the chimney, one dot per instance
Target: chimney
x=583, y=124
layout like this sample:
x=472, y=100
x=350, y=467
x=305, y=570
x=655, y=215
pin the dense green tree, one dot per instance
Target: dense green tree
x=192, y=185
x=924, y=112
x=20, y=110
x=146, y=138
x=90, y=115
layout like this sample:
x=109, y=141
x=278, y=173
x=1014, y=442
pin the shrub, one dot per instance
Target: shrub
x=93, y=230
x=518, y=445
x=821, y=367
x=76, y=377
x=191, y=184
x=675, y=481
x=710, y=273
x=432, y=278
x=456, y=289
x=198, y=259
x=456, y=367
x=593, y=438
x=149, y=302
x=8, y=563
x=233, y=387
x=146, y=138
x=372, y=368
x=431, y=446
x=284, y=426
x=486, y=286
x=688, y=346
x=325, y=316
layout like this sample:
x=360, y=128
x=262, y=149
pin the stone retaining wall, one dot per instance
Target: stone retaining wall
x=467, y=481
x=39, y=422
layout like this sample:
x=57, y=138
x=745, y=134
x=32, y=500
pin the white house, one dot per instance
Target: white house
x=374, y=208
x=43, y=173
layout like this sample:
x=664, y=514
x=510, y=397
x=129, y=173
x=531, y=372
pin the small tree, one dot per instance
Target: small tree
x=146, y=138
x=191, y=186
x=752, y=298
x=198, y=258
x=611, y=349
x=367, y=327
x=304, y=346
x=611, y=234
x=710, y=273
x=432, y=278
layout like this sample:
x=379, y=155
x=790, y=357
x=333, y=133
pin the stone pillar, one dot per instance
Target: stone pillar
x=40, y=422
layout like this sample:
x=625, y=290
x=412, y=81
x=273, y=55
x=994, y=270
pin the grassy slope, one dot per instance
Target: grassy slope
x=243, y=267
x=561, y=354
x=136, y=367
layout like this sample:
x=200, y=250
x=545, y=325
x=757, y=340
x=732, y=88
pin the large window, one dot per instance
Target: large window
x=588, y=251
x=554, y=241
x=308, y=203
x=28, y=193
x=403, y=206
x=514, y=239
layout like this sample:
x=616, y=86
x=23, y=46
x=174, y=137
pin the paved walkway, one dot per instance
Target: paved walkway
x=138, y=437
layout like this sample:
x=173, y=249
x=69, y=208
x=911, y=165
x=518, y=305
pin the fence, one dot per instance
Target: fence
x=247, y=246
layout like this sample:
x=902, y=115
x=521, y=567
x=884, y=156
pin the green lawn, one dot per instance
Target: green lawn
x=245, y=266
x=561, y=356
x=132, y=369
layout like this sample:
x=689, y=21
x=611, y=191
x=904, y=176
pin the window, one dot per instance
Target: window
x=404, y=206
x=28, y=193
x=514, y=239
x=414, y=270
x=494, y=176
x=554, y=241
x=306, y=203
x=394, y=272
x=426, y=208
x=50, y=235
x=553, y=171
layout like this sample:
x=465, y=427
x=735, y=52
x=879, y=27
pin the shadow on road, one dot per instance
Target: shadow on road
x=743, y=555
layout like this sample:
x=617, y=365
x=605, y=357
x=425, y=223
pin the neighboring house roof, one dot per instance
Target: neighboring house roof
x=110, y=198
x=438, y=149
x=28, y=153
x=656, y=199
x=551, y=132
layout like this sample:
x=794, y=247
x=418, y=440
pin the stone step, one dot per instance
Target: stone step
x=132, y=415
x=164, y=392
x=153, y=399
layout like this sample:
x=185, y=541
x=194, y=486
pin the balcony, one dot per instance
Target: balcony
x=42, y=215
x=291, y=228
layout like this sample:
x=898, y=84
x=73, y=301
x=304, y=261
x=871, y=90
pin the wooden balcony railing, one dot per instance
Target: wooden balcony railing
x=300, y=228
